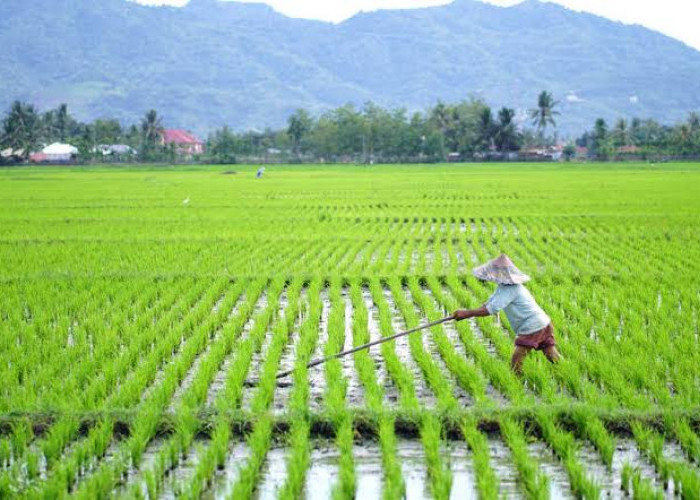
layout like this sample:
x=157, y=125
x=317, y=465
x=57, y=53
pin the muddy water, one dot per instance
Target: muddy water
x=184, y=470
x=273, y=475
x=504, y=468
x=322, y=473
x=354, y=395
x=414, y=470
x=559, y=485
x=316, y=378
x=391, y=394
x=463, y=475
x=626, y=451
x=595, y=468
x=219, y=381
x=462, y=396
x=225, y=479
x=423, y=392
x=368, y=470
x=258, y=359
x=148, y=459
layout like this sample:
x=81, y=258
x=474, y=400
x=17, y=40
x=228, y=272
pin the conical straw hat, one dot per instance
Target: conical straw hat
x=501, y=270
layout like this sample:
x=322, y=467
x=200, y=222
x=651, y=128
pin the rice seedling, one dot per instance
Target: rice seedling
x=140, y=342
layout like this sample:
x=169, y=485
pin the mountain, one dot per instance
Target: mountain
x=212, y=62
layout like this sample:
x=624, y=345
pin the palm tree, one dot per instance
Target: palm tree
x=620, y=133
x=485, y=129
x=506, y=137
x=151, y=132
x=20, y=128
x=544, y=114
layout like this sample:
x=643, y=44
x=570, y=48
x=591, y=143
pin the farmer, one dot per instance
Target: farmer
x=532, y=326
x=260, y=173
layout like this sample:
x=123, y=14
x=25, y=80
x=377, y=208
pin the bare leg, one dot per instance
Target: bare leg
x=552, y=354
x=516, y=362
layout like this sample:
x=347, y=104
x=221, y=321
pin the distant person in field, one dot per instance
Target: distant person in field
x=260, y=172
x=532, y=326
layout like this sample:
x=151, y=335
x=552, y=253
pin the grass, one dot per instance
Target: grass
x=130, y=322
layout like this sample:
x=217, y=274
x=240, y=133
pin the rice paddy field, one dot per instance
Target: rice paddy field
x=144, y=314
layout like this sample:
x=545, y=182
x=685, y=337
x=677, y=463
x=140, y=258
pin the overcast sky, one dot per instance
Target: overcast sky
x=677, y=18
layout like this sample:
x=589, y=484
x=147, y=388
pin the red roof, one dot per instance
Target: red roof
x=179, y=137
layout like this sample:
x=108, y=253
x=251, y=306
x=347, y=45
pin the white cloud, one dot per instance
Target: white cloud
x=676, y=18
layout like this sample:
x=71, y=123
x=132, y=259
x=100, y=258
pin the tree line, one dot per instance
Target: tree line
x=642, y=139
x=466, y=130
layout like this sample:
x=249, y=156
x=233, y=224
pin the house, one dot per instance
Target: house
x=115, y=150
x=10, y=155
x=58, y=153
x=184, y=143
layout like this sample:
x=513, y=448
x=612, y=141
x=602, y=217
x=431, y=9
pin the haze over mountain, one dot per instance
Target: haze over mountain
x=212, y=63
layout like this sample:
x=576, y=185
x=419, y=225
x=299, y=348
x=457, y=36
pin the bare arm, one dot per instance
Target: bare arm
x=471, y=313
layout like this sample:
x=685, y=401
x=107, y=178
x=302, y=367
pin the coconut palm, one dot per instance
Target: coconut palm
x=544, y=114
x=151, y=132
x=20, y=128
x=506, y=137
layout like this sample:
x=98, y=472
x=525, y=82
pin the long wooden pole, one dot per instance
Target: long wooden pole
x=368, y=345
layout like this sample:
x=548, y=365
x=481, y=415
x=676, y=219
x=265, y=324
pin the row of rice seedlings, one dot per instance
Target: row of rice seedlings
x=534, y=482
x=213, y=457
x=441, y=386
x=605, y=346
x=352, y=255
x=638, y=487
x=260, y=439
x=400, y=375
x=564, y=445
x=688, y=439
x=631, y=371
x=176, y=447
x=685, y=476
x=53, y=444
x=467, y=374
x=394, y=486
x=309, y=257
x=72, y=379
x=334, y=396
x=243, y=352
x=104, y=475
x=299, y=453
x=93, y=337
x=50, y=345
x=487, y=482
x=215, y=347
x=431, y=428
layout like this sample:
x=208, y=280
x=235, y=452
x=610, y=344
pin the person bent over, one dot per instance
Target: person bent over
x=532, y=326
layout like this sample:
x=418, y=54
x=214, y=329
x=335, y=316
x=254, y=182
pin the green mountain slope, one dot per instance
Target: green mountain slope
x=213, y=63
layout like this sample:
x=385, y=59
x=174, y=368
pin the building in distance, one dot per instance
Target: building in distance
x=183, y=142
